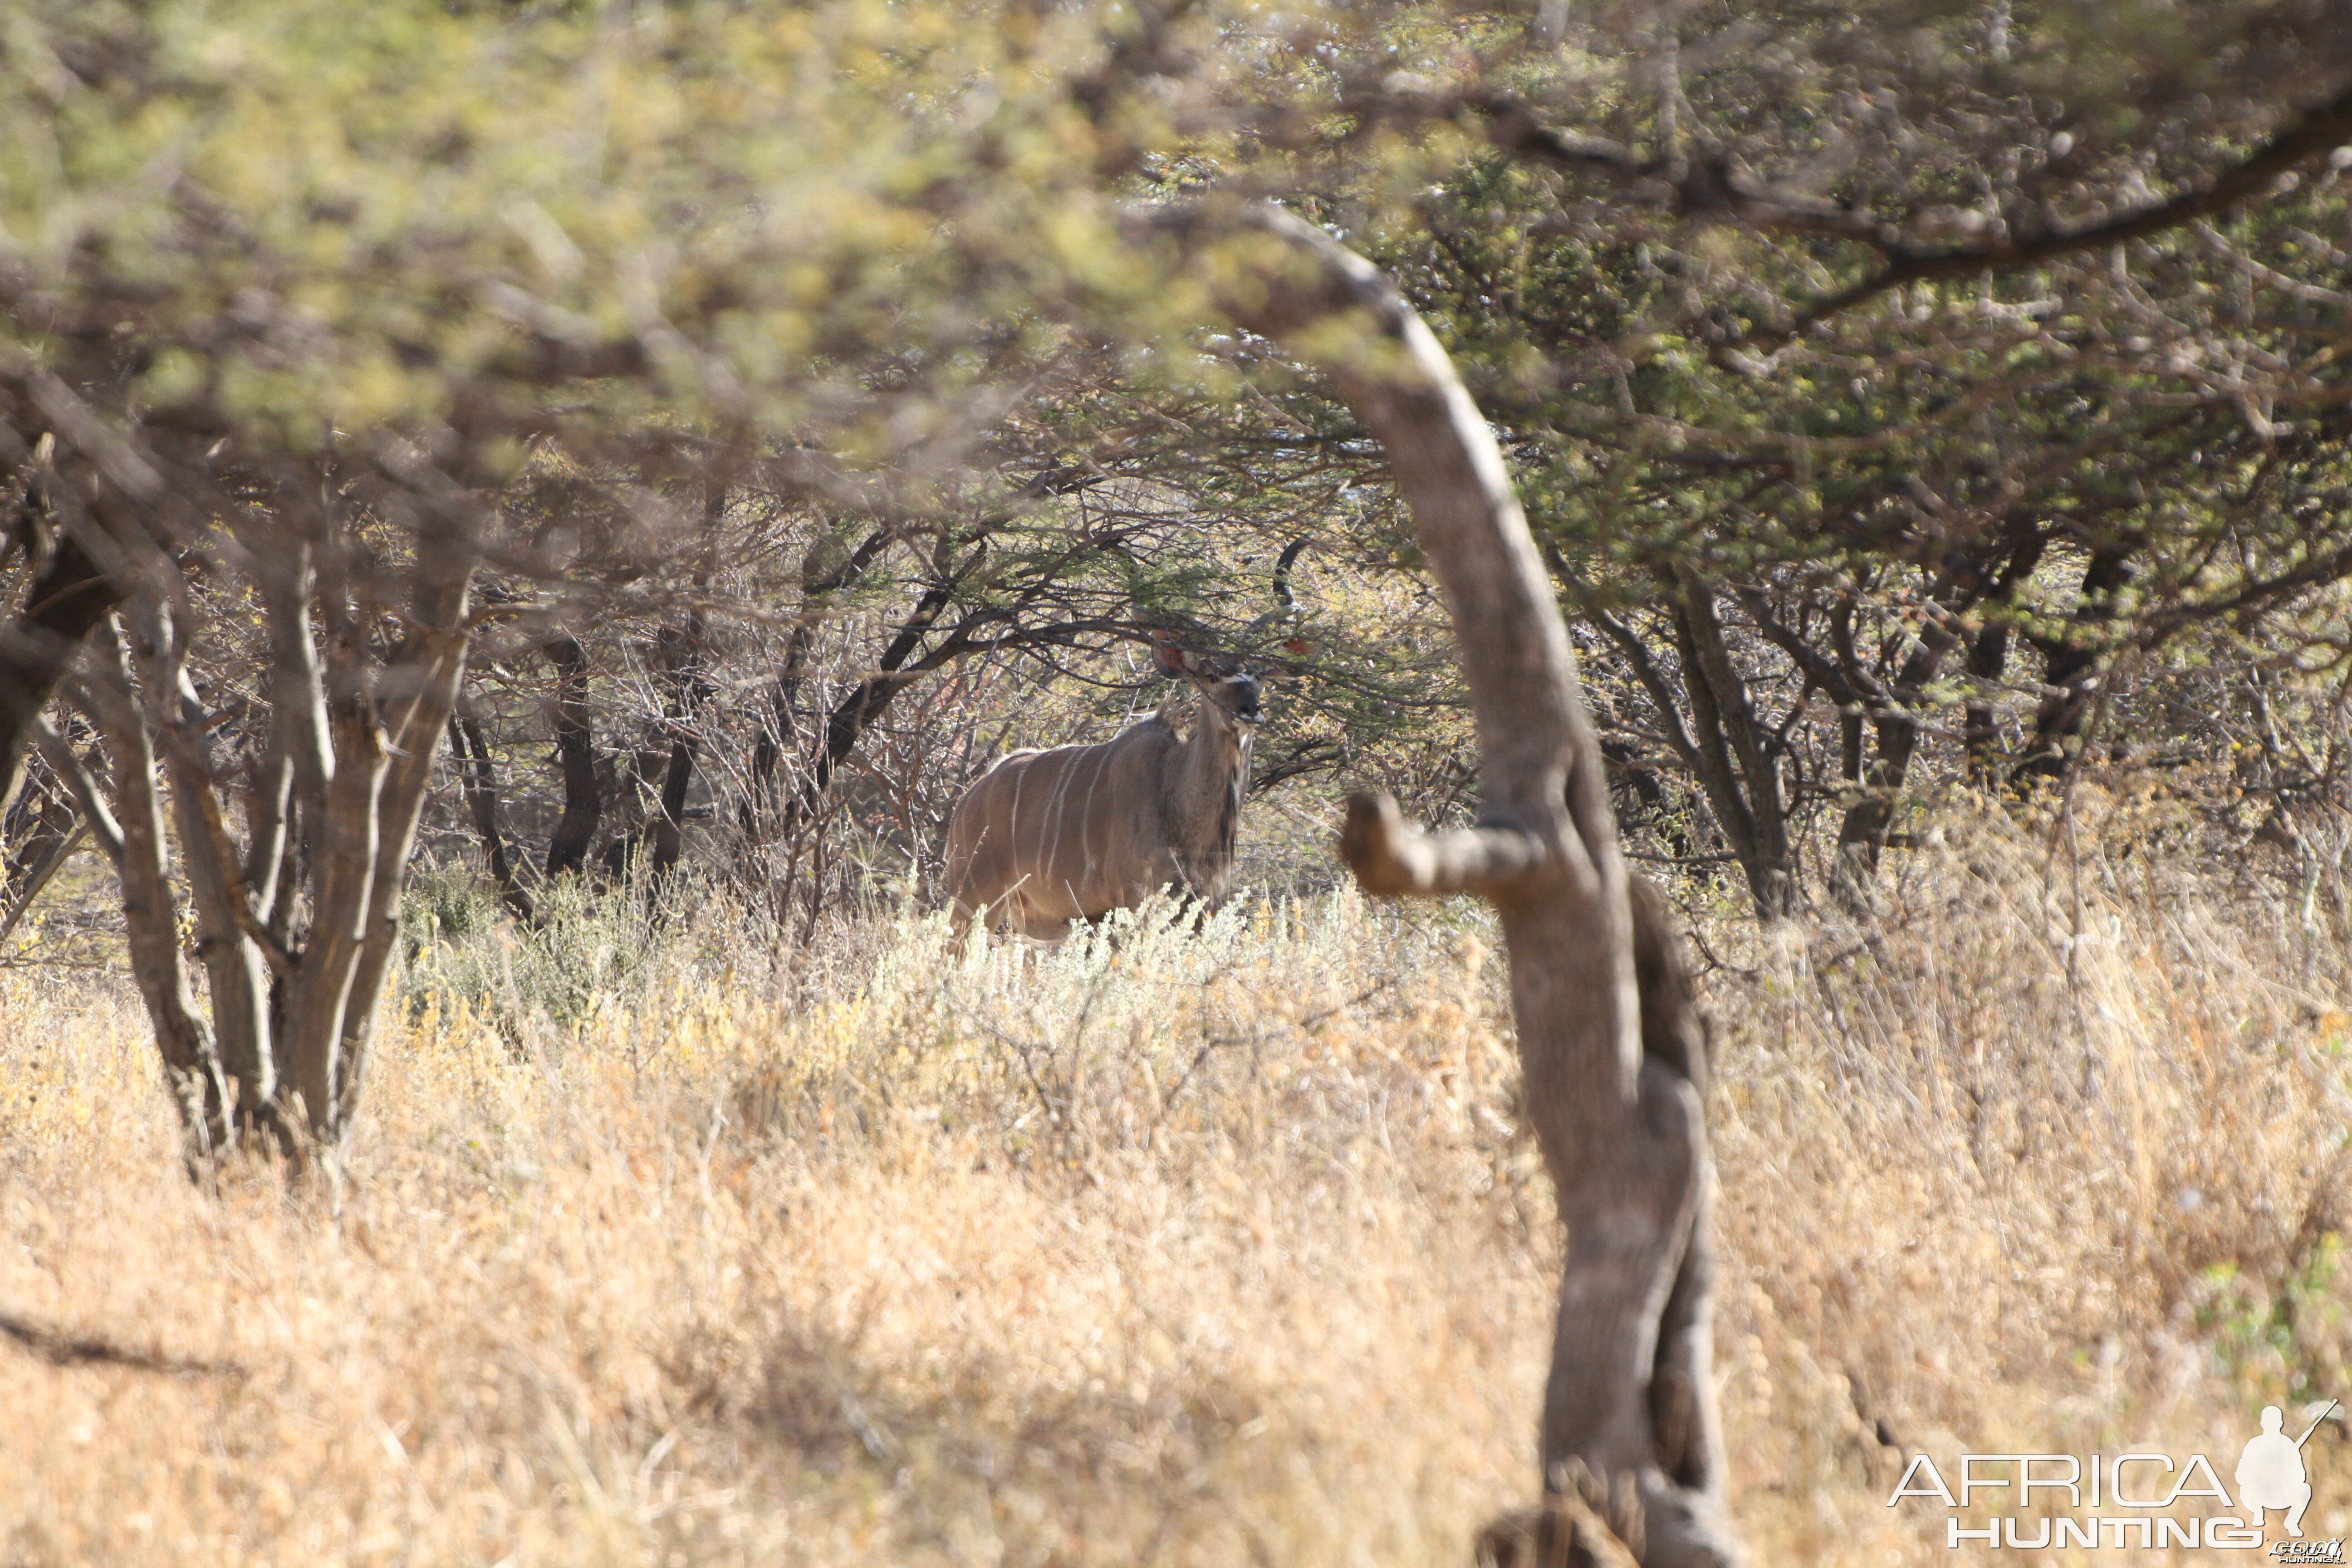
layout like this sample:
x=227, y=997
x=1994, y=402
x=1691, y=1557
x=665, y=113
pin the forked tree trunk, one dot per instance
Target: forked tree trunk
x=762, y=814
x=1724, y=744
x=1629, y=1412
x=415, y=693
x=1735, y=765
x=296, y=926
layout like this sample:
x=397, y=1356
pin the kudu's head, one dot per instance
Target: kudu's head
x=1231, y=683
x=1229, y=686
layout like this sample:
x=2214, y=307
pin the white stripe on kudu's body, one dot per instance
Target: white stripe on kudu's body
x=1044, y=839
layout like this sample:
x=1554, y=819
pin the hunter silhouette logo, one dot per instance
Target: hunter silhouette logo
x=2269, y=1472
x=2119, y=1501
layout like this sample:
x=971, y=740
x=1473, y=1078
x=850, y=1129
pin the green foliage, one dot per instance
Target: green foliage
x=586, y=952
x=2279, y=1341
x=327, y=221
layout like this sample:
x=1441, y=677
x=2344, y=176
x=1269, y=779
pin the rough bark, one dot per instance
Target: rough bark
x=1622, y=1129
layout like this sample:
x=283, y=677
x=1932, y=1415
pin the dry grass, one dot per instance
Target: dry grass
x=1217, y=1250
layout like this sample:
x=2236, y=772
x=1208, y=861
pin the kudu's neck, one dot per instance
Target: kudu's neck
x=1204, y=798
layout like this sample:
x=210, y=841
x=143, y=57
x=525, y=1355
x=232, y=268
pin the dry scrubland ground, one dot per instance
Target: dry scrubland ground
x=1213, y=1250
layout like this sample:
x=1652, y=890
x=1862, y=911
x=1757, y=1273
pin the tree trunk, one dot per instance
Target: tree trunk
x=1979, y=729
x=1890, y=710
x=1737, y=770
x=236, y=970
x=867, y=702
x=1870, y=812
x=2071, y=669
x=433, y=665
x=668, y=835
x=682, y=654
x=1621, y=1127
x=1721, y=743
x=1988, y=662
x=293, y=973
x=760, y=814
x=477, y=779
x=575, y=750
x=68, y=600
x=141, y=850
x=32, y=831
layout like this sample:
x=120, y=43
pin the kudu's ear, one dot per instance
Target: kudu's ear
x=1173, y=661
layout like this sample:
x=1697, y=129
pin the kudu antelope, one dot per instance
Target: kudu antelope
x=1046, y=839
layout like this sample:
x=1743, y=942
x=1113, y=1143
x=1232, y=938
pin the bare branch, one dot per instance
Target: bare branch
x=1390, y=857
x=85, y=793
x=60, y=1348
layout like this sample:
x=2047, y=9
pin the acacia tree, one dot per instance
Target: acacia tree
x=1850, y=374
x=296, y=924
x=282, y=408
x=793, y=673
x=1843, y=371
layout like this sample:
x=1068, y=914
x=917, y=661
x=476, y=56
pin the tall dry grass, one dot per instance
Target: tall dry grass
x=660, y=1245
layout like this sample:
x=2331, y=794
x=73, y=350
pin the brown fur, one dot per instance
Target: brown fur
x=1044, y=839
